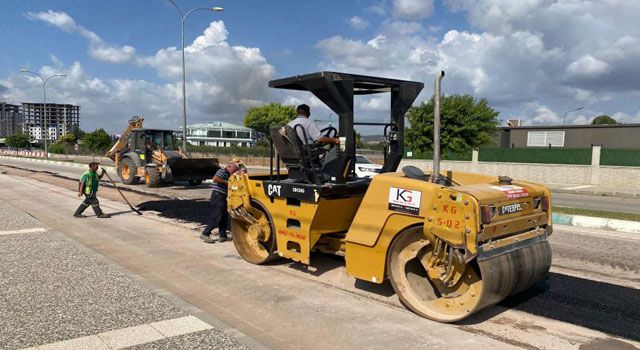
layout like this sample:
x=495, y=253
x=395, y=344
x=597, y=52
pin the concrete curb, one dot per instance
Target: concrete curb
x=599, y=223
x=74, y=164
x=603, y=193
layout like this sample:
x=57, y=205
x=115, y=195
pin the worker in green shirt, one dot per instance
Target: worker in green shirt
x=88, y=187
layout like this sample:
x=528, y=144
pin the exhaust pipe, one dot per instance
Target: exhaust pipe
x=435, y=175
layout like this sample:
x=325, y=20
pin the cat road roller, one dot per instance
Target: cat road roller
x=451, y=243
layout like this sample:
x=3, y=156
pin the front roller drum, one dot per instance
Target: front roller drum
x=253, y=234
x=479, y=285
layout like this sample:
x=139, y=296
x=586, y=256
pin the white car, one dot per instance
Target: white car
x=366, y=168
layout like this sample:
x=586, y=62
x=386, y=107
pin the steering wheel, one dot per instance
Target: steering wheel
x=328, y=130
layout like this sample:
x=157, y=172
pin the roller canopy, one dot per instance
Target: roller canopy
x=336, y=90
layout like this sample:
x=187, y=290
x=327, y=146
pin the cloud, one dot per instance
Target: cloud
x=412, y=10
x=98, y=48
x=555, y=53
x=357, y=22
x=223, y=80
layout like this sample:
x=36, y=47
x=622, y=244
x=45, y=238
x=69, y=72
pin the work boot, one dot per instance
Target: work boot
x=104, y=216
x=224, y=239
x=79, y=216
x=206, y=238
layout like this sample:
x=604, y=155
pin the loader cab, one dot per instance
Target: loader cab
x=334, y=166
x=148, y=140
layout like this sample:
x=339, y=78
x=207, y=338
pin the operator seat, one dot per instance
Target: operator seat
x=303, y=160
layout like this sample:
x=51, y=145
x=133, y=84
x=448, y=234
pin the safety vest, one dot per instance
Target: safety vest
x=88, y=182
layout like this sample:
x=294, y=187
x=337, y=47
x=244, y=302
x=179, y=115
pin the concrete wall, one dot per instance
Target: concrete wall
x=594, y=174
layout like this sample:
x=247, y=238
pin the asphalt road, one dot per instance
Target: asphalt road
x=589, y=301
x=57, y=294
x=181, y=190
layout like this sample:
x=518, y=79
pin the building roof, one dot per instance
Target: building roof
x=562, y=127
x=218, y=125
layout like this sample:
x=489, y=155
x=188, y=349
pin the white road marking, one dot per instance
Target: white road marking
x=131, y=336
x=577, y=187
x=27, y=230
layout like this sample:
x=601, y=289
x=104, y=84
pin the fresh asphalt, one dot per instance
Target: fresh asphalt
x=629, y=205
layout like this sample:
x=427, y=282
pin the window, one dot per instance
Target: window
x=213, y=133
x=545, y=138
x=243, y=134
x=230, y=134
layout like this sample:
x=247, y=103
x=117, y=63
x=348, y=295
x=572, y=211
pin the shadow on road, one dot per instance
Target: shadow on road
x=183, y=210
x=595, y=305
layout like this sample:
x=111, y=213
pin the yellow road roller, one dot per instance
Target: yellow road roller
x=451, y=243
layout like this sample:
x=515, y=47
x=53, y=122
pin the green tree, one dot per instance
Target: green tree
x=18, y=140
x=603, y=119
x=359, y=143
x=69, y=138
x=97, y=141
x=264, y=117
x=466, y=123
x=78, y=133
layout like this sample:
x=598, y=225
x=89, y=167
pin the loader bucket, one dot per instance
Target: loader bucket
x=193, y=169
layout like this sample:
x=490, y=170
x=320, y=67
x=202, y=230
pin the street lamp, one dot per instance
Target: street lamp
x=564, y=118
x=183, y=18
x=44, y=106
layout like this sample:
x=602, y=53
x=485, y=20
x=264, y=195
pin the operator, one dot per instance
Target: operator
x=219, y=217
x=89, y=187
x=313, y=134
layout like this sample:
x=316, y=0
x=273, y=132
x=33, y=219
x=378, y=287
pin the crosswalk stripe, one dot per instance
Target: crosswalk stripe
x=27, y=230
x=131, y=336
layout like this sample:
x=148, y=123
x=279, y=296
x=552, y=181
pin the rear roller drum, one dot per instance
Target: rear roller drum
x=254, y=235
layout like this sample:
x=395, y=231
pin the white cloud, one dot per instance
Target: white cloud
x=412, y=9
x=98, y=48
x=558, y=52
x=223, y=80
x=357, y=22
x=588, y=66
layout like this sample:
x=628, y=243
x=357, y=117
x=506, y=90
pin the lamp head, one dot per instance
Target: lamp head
x=217, y=9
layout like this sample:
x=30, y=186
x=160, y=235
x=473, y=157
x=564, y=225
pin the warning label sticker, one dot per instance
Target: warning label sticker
x=512, y=192
x=401, y=199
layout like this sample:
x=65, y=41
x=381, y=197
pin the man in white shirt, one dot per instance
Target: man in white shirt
x=313, y=133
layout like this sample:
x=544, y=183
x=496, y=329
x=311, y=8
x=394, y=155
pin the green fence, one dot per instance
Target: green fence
x=544, y=155
x=620, y=156
x=444, y=155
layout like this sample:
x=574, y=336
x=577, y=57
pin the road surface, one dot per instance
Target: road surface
x=589, y=301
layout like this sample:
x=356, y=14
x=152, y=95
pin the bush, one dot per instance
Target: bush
x=18, y=140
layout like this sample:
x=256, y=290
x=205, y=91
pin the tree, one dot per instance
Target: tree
x=466, y=124
x=264, y=117
x=97, y=141
x=78, y=133
x=68, y=138
x=18, y=140
x=603, y=119
x=359, y=143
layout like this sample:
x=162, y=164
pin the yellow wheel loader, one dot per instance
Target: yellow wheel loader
x=153, y=155
x=450, y=243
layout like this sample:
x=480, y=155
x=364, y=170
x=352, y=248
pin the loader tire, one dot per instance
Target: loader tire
x=152, y=177
x=127, y=172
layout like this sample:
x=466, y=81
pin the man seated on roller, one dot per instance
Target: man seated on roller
x=313, y=133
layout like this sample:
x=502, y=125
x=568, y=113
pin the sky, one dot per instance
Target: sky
x=531, y=59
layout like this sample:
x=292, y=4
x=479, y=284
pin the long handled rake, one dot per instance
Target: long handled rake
x=123, y=197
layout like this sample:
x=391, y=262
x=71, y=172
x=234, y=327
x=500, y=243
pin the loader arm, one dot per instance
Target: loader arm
x=134, y=123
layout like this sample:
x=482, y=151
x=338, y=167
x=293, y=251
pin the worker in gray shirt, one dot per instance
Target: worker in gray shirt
x=218, y=215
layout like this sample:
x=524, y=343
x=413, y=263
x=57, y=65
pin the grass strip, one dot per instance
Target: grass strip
x=597, y=213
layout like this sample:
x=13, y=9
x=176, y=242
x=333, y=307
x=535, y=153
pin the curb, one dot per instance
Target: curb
x=599, y=223
x=597, y=193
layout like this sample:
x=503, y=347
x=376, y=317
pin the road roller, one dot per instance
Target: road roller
x=450, y=243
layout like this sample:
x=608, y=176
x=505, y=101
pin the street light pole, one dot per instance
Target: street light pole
x=564, y=118
x=44, y=106
x=183, y=18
